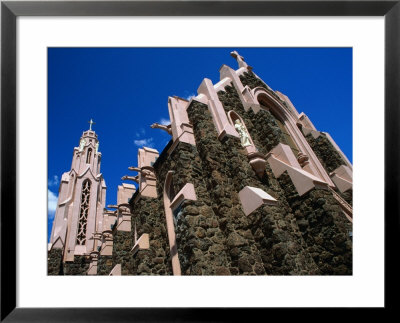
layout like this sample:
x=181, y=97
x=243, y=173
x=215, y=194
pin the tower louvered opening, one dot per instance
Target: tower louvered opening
x=83, y=214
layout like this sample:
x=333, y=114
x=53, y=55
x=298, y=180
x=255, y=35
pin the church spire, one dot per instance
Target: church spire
x=87, y=154
x=79, y=213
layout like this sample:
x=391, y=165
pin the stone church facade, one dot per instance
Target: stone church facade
x=246, y=186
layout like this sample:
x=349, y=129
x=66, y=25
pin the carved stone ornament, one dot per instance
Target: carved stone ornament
x=302, y=159
x=82, y=144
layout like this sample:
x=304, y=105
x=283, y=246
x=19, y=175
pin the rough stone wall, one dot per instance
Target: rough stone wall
x=201, y=245
x=227, y=171
x=149, y=218
x=122, y=245
x=287, y=256
x=104, y=265
x=326, y=153
x=329, y=158
x=54, y=262
x=147, y=215
x=282, y=246
x=252, y=81
x=266, y=241
x=347, y=196
x=80, y=266
x=324, y=228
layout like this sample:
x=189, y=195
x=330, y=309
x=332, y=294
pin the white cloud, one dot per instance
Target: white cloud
x=148, y=142
x=51, y=203
x=140, y=133
x=53, y=181
x=164, y=122
x=189, y=97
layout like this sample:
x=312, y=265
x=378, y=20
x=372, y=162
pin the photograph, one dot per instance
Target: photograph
x=202, y=153
x=200, y=161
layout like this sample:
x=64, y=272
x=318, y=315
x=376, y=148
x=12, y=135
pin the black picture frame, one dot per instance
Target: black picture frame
x=10, y=10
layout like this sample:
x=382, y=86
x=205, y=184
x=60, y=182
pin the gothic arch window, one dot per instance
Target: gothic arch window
x=292, y=136
x=280, y=121
x=89, y=156
x=83, y=213
x=287, y=136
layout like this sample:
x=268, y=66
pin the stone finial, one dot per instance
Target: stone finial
x=166, y=128
x=240, y=60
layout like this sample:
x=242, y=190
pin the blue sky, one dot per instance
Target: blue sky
x=125, y=90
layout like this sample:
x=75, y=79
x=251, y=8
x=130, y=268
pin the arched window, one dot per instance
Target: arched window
x=89, y=156
x=287, y=137
x=286, y=120
x=280, y=121
x=83, y=213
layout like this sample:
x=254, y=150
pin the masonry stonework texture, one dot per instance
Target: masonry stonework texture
x=201, y=245
x=323, y=227
x=54, y=262
x=148, y=217
x=325, y=152
x=104, y=265
x=80, y=266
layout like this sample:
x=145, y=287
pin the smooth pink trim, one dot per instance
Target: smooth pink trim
x=176, y=267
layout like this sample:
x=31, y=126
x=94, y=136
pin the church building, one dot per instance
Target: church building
x=246, y=186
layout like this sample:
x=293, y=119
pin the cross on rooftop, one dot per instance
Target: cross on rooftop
x=91, y=123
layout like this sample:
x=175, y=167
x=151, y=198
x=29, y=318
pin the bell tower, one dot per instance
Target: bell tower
x=81, y=200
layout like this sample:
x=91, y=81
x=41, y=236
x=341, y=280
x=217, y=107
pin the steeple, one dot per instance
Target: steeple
x=81, y=200
x=87, y=155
